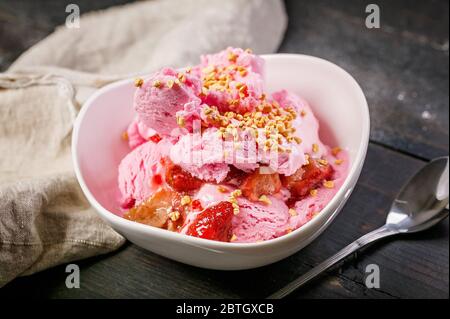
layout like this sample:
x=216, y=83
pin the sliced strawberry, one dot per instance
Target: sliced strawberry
x=307, y=178
x=157, y=179
x=181, y=180
x=155, y=138
x=196, y=205
x=256, y=184
x=128, y=203
x=213, y=223
x=158, y=210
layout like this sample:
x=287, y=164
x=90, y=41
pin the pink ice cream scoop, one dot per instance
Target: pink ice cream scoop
x=234, y=56
x=245, y=72
x=141, y=172
x=201, y=155
x=258, y=221
x=162, y=95
x=138, y=133
x=200, y=134
x=306, y=124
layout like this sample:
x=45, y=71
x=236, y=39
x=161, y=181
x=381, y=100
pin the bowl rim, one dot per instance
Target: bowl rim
x=341, y=195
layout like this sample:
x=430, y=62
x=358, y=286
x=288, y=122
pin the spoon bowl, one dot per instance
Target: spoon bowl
x=420, y=204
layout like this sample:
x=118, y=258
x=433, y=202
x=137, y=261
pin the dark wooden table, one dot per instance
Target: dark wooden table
x=403, y=68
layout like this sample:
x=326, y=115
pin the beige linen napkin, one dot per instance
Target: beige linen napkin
x=44, y=218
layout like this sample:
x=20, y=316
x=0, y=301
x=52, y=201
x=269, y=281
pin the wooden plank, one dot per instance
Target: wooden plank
x=414, y=266
x=402, y=67
x=422, y=21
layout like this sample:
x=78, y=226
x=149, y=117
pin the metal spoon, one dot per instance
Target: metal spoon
x=419, y=206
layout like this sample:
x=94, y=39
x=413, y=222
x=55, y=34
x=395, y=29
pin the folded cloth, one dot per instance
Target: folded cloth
x=144, y=36
x=44, y=218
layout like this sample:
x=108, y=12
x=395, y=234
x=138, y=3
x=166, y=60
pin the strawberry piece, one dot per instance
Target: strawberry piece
x=155, y=138
x=157, y=179
x=181, y=180
x=256, y=184
x=128, y=203
x=213, y=223
x=158, y=210
x=196, y=205
x=307, y=178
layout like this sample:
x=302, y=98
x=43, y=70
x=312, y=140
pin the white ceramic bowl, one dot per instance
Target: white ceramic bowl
x=336, y=99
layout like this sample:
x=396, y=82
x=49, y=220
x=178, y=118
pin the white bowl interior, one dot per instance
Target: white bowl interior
x=333, y=95
x=100, y=147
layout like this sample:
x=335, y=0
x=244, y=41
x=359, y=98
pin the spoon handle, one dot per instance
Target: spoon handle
x=353, y=247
